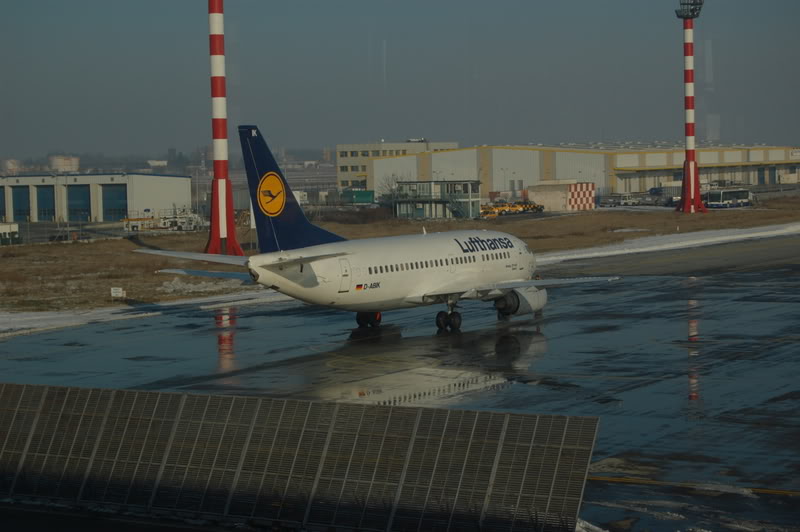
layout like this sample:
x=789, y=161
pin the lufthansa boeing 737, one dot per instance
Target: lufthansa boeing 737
x=373, y=275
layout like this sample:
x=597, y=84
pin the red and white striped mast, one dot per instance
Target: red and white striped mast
x=222, y=237
x=691, y=201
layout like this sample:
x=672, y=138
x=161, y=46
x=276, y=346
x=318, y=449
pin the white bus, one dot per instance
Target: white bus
x=727, y=198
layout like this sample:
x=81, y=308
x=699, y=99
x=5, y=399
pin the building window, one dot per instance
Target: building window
x=364, y=153
x=343, y=168
x=354, y=168
x=384, y=152
x=375, y=153
x=342, y=154
x=353, y=154
x=363, y=167
x=404, y=152
x=345, y=183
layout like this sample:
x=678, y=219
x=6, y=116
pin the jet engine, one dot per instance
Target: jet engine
x=521, y=301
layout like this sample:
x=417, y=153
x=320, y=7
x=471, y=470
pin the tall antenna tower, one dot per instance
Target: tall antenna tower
x=222, y=236
x=690, y=197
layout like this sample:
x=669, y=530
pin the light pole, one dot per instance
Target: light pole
x=690, y=191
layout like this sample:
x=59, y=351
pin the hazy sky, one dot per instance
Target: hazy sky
x=131, y=76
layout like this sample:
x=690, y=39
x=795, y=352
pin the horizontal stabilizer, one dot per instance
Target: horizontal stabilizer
x=207, y=257
x=269, y=260
x=240, y=276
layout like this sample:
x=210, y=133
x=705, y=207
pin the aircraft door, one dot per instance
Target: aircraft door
x=452, y=260
x=344, y=285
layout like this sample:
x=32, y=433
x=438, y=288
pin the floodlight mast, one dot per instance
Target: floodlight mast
x=691, y=201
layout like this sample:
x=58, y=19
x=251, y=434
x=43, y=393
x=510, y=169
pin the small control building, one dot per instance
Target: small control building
x=437, y=199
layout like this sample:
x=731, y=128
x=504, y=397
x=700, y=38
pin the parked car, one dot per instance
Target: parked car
x=609, y=201
x=629, y=200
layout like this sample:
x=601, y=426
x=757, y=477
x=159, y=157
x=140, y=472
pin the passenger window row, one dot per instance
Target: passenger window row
x=435, y=263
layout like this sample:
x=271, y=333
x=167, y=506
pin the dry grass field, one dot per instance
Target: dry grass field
x=62, y=276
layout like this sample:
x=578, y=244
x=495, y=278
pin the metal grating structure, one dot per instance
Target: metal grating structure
x=298, y=464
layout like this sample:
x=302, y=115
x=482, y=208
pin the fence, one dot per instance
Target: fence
x=293, y=463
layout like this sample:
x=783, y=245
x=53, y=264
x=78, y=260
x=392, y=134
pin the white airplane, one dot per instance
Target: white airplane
x=373, y=275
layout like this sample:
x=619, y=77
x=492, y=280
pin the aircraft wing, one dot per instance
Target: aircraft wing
x=495, y=290
x=544, y=283
x=207, y=257
x=241, y=276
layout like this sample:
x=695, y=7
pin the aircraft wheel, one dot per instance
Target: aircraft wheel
x=441, y=320
x=374, y=319
x=502, y=317
x=454, y=321
x=362, y=319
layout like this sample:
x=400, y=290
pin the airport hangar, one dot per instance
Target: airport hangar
x=91, y=197
x=613, y=169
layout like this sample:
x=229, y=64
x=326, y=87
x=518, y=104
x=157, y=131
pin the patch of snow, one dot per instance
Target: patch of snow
x=583, y=526
x=643, y=508
x=725, y=488
x=21, y=323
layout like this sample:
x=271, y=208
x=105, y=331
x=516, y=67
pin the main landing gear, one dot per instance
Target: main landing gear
x=450, y=319
x=368, y=319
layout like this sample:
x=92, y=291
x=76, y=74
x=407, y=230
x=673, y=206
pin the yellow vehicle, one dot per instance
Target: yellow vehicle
x=530, y=206
x=488, y=212
x=501, y=207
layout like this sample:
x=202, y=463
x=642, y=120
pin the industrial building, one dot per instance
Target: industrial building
x=91, y=197
x=612, y=169
x=352, y=160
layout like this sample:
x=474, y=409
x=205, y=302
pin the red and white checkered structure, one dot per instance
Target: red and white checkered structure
x=222, y=237
x=690, y=196
x=580, y=197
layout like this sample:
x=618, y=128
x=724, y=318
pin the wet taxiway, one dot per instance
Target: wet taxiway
x=695, y=379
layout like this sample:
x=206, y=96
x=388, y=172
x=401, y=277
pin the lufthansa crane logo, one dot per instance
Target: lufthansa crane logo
x=271, y=194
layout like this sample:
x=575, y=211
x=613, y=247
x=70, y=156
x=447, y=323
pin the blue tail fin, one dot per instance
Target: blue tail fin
x=280, y=222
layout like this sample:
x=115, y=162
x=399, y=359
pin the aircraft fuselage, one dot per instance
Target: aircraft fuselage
x=378, y=274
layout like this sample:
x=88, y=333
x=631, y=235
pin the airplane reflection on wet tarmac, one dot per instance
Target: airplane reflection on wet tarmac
x=381, y=366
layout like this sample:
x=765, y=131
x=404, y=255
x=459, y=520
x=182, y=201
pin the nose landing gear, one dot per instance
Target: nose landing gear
x=368, y=319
